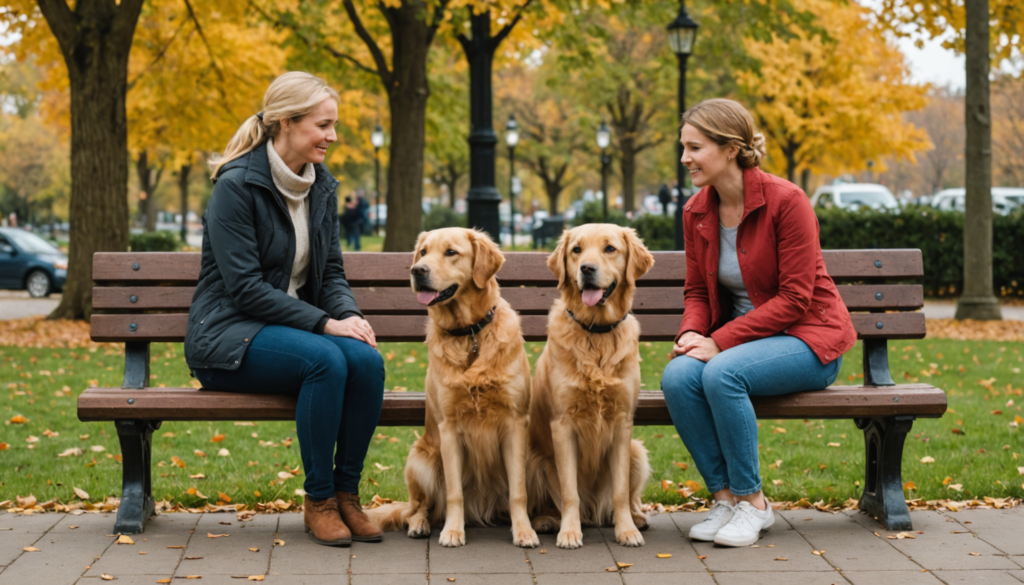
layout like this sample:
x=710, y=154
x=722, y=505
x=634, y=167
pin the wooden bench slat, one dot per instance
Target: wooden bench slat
x=519, y=268
x=146, y=297
x=407, y=408
x=901, y=297
x=654, y=327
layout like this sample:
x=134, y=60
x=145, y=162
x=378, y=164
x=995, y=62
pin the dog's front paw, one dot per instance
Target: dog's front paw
x=545, y=525
x=452, y=537
x=525, y=537
x=629, y=537
x=570, y=538
x=641, y=522
x=419, y=528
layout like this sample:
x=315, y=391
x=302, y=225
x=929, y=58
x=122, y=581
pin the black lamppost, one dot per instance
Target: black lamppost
x=681, y=33
x=377, y=139
x=604, y=137
x=512, y=139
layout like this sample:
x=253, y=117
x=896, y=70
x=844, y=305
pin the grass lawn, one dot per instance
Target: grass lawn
x=974, y=445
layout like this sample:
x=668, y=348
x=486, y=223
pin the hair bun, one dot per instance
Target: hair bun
x=750, y=155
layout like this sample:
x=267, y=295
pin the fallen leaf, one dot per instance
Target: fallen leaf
x=223, y=453
x=193, y=576
x=682, y=466
x=835, y=445
x=781, y=559
x=903, y=535
x=32, y=439
x=818, y=552
x=664, y=556
x=624, y=565
x=666, y=484
x=381, y=467
x=212, y=535
x=284, y=475
x=192, y=558
x=927, y=459
x=97, y=448
x=82, y=494
x=180, y=546
x=72, y=452
x=909, y=486
x=163, y=581
x=254, y=550
x=125, y=539
x=216, y=438
x=955, y=486
x=107, y=577
x=975, y=554
x=197, y=476
x=255, y=577
x=278, y=542
x=702, y=557
x=199, y=453
x=18, y=419
x=223, y=497
x=611, y=570
x=30, y=549
x=947, y=480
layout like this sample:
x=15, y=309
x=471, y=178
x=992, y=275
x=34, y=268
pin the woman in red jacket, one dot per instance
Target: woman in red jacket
x=762, y=316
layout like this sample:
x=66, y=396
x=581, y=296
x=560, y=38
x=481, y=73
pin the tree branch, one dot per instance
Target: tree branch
x=378, y=56
x=61, y=21
x=202, y=35
x=504, y=32
x=158, y=57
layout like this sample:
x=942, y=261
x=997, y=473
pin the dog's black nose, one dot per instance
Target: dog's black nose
x=588, y=268
x=420, y=270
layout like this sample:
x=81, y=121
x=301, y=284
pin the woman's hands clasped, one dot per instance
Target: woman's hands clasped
x=697, y=346
x=354, y=327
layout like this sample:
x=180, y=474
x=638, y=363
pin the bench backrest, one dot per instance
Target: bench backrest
x=144, y=296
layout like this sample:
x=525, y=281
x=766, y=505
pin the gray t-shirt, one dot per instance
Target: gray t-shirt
x=729, y=271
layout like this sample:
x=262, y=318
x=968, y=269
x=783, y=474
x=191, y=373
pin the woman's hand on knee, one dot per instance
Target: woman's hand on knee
x=354, y=327
x=686, y=343
x=703, y=349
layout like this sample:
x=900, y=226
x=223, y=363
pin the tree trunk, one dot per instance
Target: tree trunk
x=805, y=179
x=407, y=99
x=95, y=40
x=977, y=300
x=628, y=167
x=183, y=191
x=147, y=185
x=789, y=151
x=554, y=191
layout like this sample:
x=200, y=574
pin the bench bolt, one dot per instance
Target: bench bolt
x=879, y=325
x=895, y=398
x=133, y=327
x=135, y=266
x=878, y=263
x=878, y=296
x=133, y=299
x=131, y=401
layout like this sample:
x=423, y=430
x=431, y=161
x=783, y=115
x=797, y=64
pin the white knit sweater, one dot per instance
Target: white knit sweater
x=295, y=189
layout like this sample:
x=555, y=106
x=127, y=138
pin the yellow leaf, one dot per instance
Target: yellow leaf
x=255, y=577
x=947, y=480
x=927, y=459
x=81, y=493
x=624, y=565
x=30, y=549
x=125, y=539
x=666, y=484
x=212, y=535
x=18, y=419
x=223, y=497
x=909, y=486
x=107, y=577
x=664, y=556
x=278, y=542
x=818, y=552
x=163, y=581
x=254, y=550
x=199, y=453
x=217, y=438
x=682, y=466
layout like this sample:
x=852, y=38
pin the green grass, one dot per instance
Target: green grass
x=367, y=243
x=979, y=377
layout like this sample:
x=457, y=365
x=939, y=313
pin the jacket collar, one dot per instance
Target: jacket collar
x=753, y=196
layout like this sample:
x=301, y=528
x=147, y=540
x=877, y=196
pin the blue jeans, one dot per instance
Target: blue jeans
x=339, y=382
x=710, y=403
x=353, y=237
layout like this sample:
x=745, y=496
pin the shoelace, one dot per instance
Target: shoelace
x=718, y=509
x=745, y=513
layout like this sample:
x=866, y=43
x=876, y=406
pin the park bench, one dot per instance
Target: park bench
x=142, y=298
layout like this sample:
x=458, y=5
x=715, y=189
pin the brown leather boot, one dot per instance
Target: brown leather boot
x=363, y=530
x=323, y=521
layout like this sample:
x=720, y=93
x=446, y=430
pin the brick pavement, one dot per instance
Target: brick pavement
x=80, y=549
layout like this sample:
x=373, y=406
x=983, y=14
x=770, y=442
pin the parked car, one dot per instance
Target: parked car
x=853, y=196
x=1004, y=199
x=28, y=262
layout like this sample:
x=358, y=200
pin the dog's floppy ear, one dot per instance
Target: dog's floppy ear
x=639, y=259
x=556, y=261
x=487, y=258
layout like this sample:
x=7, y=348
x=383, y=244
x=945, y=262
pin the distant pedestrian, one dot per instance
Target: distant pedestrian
x=351, y=220
x=665, y=197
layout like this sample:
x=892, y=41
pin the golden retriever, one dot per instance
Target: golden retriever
x=470, y=463
x=583, y=460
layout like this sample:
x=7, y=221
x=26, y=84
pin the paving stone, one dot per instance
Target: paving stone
x=645, y=559
x=846, y=543
x=581, y=579
x=398, y=554
x=21, y=524
x=161, y=532
x=123, y=579
x=592, y=557
x=1018, y=574
x=393, y=579
x=1000, y=528
x=776, y=577
x=993, y=577
x=901, y=577
x=301, y=555
x=782, y=541
x=660, y=523
x=684, y=521
x=487, y=550
x=230, y=555
x=473, y=579
x=64, y=556
x=667, y=578
x=938, y=548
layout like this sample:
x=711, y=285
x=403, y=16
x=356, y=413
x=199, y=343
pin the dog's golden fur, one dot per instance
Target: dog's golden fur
x=477, y=405
x=583, y=461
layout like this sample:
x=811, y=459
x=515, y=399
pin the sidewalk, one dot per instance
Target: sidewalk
x=976, y=546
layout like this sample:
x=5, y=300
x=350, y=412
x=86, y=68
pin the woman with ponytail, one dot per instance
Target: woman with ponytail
x=273, y=312
x=762, y=316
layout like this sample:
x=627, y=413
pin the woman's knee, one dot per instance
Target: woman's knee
x=682, y=376
x=721, y=377
x=326, y=359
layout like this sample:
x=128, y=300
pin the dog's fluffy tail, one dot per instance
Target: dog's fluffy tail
x=393, y=516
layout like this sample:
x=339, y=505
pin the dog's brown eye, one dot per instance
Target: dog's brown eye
x=609, y=249
x=423, y=252
x=577, y=250
x=450, y=252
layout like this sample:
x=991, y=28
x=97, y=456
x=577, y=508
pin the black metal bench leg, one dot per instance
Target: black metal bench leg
x=137, y=504
x=883, y=477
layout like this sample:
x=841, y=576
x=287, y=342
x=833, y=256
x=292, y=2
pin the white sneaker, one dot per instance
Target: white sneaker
x=746, y=526
x=721, y=513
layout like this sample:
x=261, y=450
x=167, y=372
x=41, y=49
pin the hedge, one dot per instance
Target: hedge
x=162, y=241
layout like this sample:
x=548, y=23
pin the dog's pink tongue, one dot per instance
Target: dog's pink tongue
x=592, y=296
x=425, y=298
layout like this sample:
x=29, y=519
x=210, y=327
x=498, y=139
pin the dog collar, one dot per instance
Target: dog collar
x=597, y=328
x=474, y=328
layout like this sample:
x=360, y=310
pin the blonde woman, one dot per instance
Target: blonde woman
x=273, y=312
x=762, y=316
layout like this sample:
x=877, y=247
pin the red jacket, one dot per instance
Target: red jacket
x=782, y=268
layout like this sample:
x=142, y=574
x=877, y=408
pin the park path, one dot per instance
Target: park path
x=974, y=546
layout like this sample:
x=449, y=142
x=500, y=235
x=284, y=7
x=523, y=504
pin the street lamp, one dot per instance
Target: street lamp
x=604, y=137
x=377, y=139
x=681, y=34
x=512, y=139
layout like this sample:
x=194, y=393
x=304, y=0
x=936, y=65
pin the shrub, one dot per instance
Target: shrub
x=593, y=212
x=162, y=241
x=440, y=216
x=657, y=231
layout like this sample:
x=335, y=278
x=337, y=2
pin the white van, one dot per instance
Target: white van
x=853, y=196
x=1004, y=199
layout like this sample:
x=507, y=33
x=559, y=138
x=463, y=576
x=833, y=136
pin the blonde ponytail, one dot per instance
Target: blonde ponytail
x=291, y=96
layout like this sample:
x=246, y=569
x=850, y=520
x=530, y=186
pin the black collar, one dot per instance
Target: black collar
x=475, y=327
x=597, y=328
